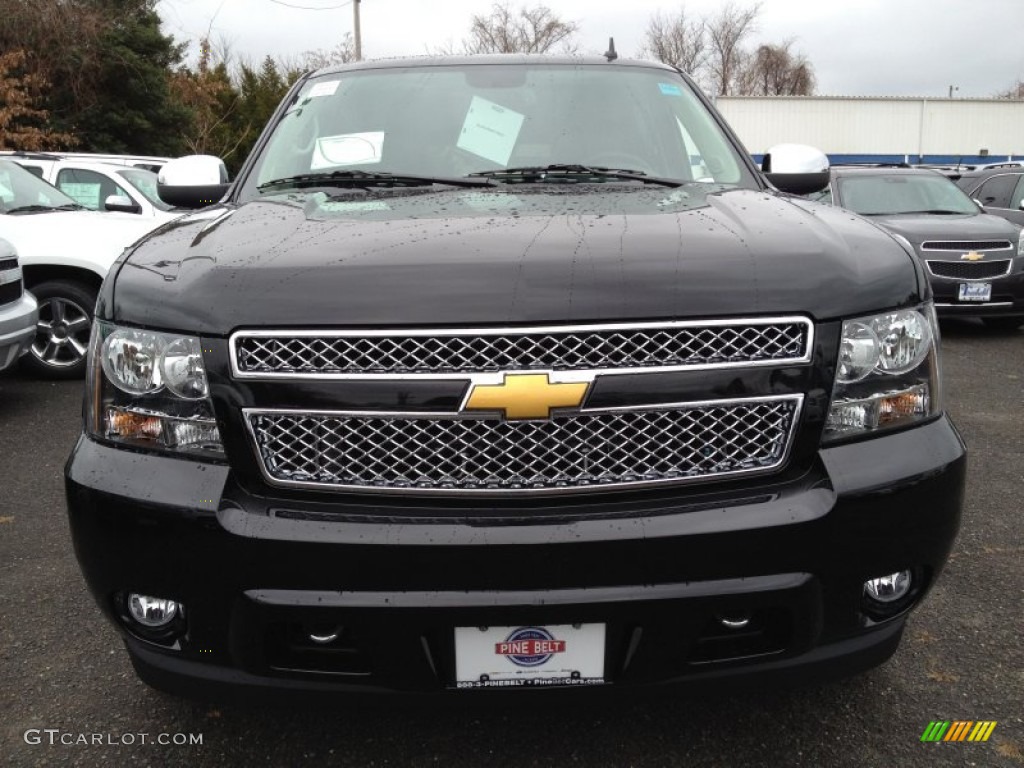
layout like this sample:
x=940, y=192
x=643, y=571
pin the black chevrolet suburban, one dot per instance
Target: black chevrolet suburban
x=509, y=373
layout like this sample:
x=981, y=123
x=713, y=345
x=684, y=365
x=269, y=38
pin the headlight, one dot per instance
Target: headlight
x=149, y=390
x=888, y=373
x=1020, y=245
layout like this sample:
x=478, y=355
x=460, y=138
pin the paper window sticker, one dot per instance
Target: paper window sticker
x=326, y=88
x=348, y=149
x=490, y=131
x=83, y=193
x=670, y=89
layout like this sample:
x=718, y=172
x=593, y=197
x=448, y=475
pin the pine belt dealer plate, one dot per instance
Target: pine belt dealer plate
x=975, y=291
x=514, y=657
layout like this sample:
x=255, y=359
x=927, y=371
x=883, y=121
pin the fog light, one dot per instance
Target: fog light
x=888, y=589
x=734, y=621
x=152, y=612
x=325, y=635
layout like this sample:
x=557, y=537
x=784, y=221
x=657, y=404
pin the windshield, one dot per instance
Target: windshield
x=145, y=182
x=903, y=193
x=21, y=189
x=449, y=122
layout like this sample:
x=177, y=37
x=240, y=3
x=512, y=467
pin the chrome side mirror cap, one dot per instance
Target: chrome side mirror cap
x=122, y=204
x=193, y=181
x=796, y=168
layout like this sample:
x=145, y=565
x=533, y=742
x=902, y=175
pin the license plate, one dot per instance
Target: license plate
x=514, y=657
x=975, y=291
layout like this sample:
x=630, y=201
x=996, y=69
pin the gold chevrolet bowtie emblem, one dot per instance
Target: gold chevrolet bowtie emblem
x=972, y=256
x=526, y=396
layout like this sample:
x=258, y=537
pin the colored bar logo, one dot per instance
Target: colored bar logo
x=958, y=730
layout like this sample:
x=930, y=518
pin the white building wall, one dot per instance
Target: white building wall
x=890, y=126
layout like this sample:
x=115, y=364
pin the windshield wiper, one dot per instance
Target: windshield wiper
x=45, y=208
x=559, y=171
x=937, y=211
x=368, y=179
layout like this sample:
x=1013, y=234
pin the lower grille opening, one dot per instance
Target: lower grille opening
x=10, y=292
x=321, y=649
x=740, y=636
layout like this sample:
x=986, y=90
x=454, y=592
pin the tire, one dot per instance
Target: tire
x=1003, y=323
x=62, y=334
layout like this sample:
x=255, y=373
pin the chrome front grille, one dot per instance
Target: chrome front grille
x=686, y=344
x=583, y=450
x=966, y=245
x=970, y=270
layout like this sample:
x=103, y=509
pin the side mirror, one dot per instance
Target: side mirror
x=796, y=168
x=194, y=181
x=122, y=204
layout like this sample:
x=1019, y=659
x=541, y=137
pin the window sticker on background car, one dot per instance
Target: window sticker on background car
x=670, y=89
x=83, y=194
x=490, y=131
x=348, y=149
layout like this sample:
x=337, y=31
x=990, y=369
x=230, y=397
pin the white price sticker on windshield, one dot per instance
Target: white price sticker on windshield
x=490, y=131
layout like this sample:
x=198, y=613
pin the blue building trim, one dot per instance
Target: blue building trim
x=913, y=159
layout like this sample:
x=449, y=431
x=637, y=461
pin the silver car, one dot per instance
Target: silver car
x=18, y=311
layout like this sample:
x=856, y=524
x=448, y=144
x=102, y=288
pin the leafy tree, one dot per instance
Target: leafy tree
x=260, y=91
x=22, y=124
x=135, y=112
x=211, y=100
x=109, y=66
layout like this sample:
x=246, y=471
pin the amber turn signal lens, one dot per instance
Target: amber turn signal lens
x=132, y=425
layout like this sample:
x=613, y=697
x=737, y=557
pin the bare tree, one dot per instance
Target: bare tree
x=774, y=70
x=1015, y=91
x=727, y=31
x=678, y=42
x=530, y=30
x=342, y=53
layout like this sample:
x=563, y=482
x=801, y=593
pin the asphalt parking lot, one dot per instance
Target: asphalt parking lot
x=64, y=674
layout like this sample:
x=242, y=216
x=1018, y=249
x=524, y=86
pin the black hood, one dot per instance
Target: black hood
x=919, y=228
x=524, y=254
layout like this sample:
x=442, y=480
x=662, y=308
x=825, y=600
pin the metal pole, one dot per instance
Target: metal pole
x=357, y=33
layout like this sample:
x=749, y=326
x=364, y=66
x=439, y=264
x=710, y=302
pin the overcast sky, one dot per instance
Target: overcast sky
x=857, y=47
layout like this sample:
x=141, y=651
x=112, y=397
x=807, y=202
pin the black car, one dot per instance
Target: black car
x=509, y=373
x=999, y=188
x=975, y=261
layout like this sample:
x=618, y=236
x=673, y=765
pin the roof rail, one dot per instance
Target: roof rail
x=32, y=155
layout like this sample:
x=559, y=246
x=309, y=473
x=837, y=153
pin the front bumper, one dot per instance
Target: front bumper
x=17, y=328
x=1007, y=296
x=658, y=572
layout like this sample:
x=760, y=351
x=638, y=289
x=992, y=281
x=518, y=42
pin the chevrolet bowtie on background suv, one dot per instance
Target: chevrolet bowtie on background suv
x=509, y=373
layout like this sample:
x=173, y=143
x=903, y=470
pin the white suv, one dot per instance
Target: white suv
x=65, y=252
x=102, y=182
